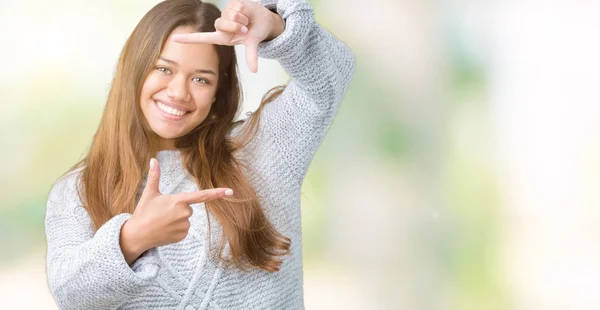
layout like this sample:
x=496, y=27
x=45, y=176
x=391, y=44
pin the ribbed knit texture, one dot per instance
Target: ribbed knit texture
x=87, y=270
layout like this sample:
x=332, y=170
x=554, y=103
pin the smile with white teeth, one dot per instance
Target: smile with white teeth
x=169, y=109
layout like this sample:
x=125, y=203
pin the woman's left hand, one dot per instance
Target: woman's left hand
x=241, y=22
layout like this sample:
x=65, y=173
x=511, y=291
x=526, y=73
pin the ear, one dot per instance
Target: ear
x=214, y=99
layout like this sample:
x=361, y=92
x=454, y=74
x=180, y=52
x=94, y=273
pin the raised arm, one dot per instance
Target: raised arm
x=320, y=67
x=87, y=270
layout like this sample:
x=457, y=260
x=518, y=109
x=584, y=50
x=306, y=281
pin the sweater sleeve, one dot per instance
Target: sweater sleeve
x=87, y=270
x=320, y=67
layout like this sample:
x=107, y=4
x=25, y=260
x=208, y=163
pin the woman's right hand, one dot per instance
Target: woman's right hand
x=241, y=22
x=161, y=219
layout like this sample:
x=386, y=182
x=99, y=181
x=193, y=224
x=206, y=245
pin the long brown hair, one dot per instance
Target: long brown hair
x=120, y=153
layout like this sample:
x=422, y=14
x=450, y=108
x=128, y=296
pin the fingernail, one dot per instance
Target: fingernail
x=151, y=163
x=244, y=29
x=228, y=192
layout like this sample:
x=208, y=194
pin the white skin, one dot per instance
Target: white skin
x=175, y=82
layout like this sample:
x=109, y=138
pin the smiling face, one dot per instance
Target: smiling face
x=179, y=91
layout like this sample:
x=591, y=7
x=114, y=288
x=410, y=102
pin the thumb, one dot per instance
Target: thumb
x=252, y=54
x=153, y=178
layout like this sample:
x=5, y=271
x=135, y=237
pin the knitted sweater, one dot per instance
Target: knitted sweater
x=86, y=269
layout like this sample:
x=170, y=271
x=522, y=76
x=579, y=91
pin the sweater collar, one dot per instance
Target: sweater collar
x=172, y=172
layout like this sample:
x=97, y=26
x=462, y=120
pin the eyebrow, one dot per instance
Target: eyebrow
x=206, y=71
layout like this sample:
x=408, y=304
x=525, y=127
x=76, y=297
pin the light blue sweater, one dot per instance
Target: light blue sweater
x=87, y=270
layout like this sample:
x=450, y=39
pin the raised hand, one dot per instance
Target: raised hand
x=241, y=22
x=161, y=219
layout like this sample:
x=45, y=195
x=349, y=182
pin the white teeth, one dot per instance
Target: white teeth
x=169, y=109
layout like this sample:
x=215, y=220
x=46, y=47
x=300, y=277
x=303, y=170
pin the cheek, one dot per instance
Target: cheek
x=203, y=98
x=150, y=86
x=203, y=101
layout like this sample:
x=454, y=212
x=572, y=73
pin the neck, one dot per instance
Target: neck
x=158, y=144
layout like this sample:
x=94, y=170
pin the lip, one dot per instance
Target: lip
x=167, y=115
x=173, y=105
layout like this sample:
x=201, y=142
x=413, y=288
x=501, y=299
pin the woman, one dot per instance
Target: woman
x=215, y=222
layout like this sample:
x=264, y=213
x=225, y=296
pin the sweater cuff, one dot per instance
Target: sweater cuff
x=298, y=19
x=129, y=280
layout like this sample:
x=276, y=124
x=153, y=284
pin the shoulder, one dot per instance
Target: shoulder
x=66, y=188
x=247, y=128
x=65, y=212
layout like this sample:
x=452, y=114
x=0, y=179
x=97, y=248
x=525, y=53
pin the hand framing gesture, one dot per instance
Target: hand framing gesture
x=161, y=219
x=241, y=22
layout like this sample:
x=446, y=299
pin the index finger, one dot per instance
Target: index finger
x=204, y=195
x=201, y=37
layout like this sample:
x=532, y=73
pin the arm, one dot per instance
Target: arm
x=320, y=67
x=87, y=270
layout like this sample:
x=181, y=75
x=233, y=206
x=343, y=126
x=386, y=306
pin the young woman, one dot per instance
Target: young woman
x=176, y=206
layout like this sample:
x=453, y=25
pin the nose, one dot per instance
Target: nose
x=177, y=89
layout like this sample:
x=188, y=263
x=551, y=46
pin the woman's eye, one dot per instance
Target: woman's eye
x=200, y=80
x=163, y=70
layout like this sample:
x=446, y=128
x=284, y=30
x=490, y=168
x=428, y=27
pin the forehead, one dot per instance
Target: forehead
x=190, y=56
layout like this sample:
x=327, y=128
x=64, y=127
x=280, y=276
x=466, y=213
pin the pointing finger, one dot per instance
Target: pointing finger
x=204, y=195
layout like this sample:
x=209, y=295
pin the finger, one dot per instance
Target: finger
x=202, y=37
x=225, y=25
x=252, y=54
x=240, y=6
x=153, y=178
x=184, y=210
x=190, y=211
x=235, y=16
x=204, y=195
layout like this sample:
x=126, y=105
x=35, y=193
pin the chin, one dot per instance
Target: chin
x=169, y=135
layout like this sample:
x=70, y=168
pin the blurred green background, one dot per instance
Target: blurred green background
x=461, y=171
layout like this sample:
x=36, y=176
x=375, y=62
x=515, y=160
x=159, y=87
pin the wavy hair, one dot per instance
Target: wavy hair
x=120, y=152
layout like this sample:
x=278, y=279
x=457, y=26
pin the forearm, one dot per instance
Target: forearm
x=321, y=68
x=91, y=274
x=277, y=26
x=318, y=62
x=131, y=245
x=87, y=269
